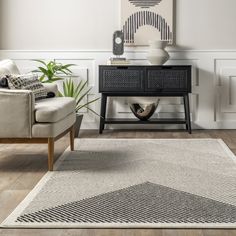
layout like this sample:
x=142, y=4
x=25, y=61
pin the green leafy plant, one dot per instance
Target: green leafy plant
x=52, y=71
x=78, y=92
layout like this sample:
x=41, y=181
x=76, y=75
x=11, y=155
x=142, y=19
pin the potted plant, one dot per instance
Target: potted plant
x=78, y=92
x=52, y=71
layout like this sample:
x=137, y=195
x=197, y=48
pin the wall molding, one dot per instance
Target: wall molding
x=209, y=102
x=127, y=50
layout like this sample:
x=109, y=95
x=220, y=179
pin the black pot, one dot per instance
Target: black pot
x=78, y=122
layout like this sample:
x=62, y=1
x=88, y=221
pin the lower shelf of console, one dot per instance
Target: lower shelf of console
x=151, y=121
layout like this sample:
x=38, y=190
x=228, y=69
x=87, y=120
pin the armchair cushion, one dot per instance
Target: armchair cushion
x=52, y=130
x=52, y=110
x=8, y=67
x=51, y=88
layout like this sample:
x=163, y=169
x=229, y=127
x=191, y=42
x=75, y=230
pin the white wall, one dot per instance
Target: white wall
x=206, y=24
x=58, y=24
x=80, y=32
x=81, y=24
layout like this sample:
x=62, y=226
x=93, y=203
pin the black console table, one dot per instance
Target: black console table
x=143, y=81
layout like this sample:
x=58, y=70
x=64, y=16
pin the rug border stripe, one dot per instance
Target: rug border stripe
x=227, y=149
x=126, y=226
x=32, y=194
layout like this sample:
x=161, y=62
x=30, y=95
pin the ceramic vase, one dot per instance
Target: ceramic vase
x=157, y=55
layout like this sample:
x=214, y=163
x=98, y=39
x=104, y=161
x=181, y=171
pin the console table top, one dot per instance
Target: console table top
x=143, y=65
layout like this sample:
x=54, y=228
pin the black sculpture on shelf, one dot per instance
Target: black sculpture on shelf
x=118, y=43
x=144, y=113
x=118, y=49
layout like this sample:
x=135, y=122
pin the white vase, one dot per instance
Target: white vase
x=157, y=55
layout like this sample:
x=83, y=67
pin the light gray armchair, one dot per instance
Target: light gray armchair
x=22, y=120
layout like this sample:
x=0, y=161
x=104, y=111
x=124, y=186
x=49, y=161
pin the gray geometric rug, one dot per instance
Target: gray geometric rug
x=117, y=183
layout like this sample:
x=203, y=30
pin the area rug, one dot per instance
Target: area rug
x=139, y=183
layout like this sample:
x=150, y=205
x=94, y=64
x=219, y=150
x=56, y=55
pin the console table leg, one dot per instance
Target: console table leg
x=103, y=113
x=187, y=113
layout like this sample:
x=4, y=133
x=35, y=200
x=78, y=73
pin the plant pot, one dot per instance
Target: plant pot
x=78, y=122
x=157, y=55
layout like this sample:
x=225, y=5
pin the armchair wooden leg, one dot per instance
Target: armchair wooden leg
x=50, y=153
x=72, y=137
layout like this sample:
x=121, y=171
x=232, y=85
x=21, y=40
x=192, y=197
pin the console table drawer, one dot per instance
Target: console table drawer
x=167, y=80
x=121, y=79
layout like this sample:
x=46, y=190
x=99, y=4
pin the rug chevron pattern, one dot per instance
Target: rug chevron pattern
x=144, y=203
x=135, y=183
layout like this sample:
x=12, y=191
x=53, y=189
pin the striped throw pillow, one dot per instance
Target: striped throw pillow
x=27, y=82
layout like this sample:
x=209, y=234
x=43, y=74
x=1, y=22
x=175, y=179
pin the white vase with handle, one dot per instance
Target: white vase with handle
x=157, y=55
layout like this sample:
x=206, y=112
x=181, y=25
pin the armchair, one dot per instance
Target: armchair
x=22, y=120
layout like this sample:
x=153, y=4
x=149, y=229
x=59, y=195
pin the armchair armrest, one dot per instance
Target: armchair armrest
x=16, y=113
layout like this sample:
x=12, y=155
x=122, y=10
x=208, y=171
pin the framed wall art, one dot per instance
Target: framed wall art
x=145, y=20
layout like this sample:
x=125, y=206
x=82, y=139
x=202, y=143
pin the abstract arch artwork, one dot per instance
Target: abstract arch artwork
x=144, y=20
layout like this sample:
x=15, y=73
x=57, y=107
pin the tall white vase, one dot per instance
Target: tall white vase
x=157, y=55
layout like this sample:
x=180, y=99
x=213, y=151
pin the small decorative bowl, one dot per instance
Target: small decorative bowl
x=146, y=113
